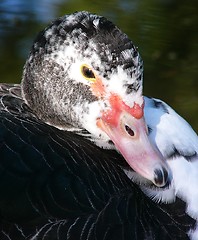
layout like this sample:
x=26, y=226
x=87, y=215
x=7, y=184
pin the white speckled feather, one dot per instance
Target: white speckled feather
x=178, y=143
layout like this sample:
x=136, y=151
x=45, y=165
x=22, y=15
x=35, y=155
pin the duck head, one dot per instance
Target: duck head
x=84, y=73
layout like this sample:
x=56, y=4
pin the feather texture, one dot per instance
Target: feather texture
x=58, y=185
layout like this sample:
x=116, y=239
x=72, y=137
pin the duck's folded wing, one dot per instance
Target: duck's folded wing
x=58, y=185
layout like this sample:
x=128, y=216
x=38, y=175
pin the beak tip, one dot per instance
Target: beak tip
x=161, y=177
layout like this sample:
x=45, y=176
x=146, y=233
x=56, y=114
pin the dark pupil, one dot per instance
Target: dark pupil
x=88, y=72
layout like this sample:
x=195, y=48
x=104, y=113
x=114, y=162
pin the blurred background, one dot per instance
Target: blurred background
x=165, y=31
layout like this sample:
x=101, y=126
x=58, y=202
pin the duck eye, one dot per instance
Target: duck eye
x=87, y=73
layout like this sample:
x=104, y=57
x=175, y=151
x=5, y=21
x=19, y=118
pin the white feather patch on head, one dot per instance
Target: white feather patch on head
x=66, y=53
x=117, y=84
x=71, y=19
x=96, y=22
x=88, y=120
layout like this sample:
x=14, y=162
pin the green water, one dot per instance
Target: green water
x=164, y=30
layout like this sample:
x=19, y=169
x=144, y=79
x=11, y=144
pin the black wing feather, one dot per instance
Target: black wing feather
x=58, y=185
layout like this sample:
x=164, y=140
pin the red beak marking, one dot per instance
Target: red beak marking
x=117, y=106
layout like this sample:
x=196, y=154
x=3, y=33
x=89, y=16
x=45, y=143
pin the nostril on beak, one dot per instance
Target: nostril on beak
x=161, y=177
x=129, y=131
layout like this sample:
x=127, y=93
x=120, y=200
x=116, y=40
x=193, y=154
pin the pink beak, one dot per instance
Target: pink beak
x=130, y=136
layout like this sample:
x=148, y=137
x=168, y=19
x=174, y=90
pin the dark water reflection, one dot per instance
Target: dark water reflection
x=164, y=30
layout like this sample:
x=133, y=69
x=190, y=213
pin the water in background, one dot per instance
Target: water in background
x=164, y=30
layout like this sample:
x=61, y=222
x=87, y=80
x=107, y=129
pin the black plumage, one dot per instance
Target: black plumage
x=57, y=185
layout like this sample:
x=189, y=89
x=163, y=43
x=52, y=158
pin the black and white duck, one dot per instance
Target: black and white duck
x=72, y=131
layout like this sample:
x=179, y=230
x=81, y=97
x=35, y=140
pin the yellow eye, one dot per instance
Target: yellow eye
x=88, y=73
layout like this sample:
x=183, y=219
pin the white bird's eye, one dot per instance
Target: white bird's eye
x=88, y=73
